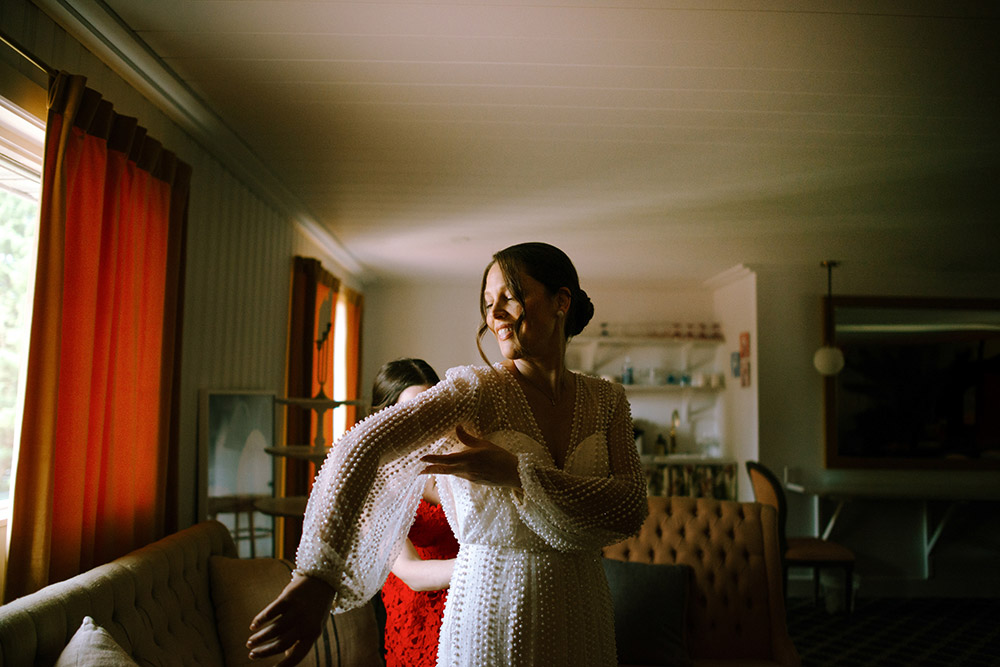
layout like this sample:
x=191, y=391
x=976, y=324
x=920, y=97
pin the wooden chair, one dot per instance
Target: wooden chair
x=812, y=552
x=238, y=505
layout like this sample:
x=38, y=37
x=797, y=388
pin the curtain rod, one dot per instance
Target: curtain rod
x=26, y=54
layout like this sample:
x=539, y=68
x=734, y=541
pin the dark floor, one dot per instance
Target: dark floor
x=893, y=632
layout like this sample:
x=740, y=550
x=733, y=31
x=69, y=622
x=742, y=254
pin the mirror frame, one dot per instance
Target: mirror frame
x=832, y=457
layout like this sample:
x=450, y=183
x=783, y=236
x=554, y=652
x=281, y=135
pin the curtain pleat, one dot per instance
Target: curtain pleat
x=95, y=468
x=309, y=373
x=354, y=302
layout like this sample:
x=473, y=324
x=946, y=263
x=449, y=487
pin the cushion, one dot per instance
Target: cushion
x=93, y=646
x=241, y=587
x=650, y=603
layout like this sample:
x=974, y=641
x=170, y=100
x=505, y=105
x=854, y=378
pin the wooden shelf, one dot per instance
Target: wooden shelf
x=662, y=388
x=317, y=403
x=293, y=507
x=302, y=452
x=683, y=459
x=649, y=340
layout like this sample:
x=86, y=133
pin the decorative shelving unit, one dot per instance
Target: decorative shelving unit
x=662, y=367
x=293, y=507
x=320, y=405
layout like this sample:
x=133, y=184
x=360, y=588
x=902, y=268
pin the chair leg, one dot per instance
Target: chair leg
x=253, y=535
x=849, y=588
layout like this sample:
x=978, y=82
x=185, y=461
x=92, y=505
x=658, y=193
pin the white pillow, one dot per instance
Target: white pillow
x=93, y=646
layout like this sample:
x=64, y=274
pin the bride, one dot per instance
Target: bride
x=536, y=469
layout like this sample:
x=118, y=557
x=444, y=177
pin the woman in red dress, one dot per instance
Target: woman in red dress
x=414, y=593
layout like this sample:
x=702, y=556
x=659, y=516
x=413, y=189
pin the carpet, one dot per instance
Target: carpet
x=895, y=632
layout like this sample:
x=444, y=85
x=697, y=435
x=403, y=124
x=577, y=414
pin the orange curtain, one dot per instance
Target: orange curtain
x=313, y=312
x=354, y=302
x=96, y=472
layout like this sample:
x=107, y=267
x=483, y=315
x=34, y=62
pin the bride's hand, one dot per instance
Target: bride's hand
x=293, y=622
x=480, y=461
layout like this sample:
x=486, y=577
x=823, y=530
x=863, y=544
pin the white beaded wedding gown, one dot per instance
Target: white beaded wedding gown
x=528, y=587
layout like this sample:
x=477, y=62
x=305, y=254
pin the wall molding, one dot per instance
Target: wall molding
x=98, y=28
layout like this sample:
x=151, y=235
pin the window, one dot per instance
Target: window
x=339, y=366
x=21, y=145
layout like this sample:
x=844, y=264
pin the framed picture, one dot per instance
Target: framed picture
x=235, y=429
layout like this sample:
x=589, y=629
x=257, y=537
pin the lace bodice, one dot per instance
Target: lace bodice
x=367, y=491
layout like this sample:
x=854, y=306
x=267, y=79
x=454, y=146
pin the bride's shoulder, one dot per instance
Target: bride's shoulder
x=599, y=383
x=474, y=377
x=599, y=388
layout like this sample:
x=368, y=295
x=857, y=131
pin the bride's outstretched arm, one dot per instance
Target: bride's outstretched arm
x=293, y=622
x=358, y=513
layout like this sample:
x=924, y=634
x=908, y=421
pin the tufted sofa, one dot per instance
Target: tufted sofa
x=734, y=610
x=183, y=600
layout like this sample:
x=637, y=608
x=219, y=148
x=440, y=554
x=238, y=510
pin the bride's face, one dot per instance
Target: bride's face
x=522, y=329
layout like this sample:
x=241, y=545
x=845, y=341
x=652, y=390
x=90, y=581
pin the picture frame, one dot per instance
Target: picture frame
x=235, y=429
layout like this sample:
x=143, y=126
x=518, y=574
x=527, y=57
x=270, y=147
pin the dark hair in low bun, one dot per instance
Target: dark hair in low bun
x=580, y=313
x=552, y=268
x=396, y=376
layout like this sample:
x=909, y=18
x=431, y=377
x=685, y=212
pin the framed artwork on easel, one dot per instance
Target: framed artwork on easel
x=235, y=430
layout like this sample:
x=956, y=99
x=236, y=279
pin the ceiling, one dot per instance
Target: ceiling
x=660, y=140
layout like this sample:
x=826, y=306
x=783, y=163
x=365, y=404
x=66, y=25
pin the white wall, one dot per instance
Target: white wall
x=435, y=322
x=735, y=305
x=885, y=535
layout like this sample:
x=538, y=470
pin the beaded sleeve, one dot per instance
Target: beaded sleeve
x=366, y=494
x=573, y=512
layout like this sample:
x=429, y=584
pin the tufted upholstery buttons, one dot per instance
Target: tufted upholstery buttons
x=732, y=549
x=148, y=600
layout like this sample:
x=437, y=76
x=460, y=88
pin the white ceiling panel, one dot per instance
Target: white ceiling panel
x=424, y=135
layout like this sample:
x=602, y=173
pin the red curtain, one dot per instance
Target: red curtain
x=96, y=473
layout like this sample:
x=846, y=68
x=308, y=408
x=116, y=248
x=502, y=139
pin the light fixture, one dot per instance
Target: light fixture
x=829, y=360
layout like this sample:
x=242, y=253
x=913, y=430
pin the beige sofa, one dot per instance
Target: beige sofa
x=184, y=600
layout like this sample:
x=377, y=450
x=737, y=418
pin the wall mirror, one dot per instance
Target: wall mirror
x=920, y=386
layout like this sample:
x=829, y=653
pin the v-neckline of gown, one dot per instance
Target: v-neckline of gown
x=537, y=435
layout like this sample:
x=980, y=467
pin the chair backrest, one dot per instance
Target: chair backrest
x=736, y=608
x=767, y=490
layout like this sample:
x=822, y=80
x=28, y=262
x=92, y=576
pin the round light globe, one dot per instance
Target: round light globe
x=828, y=360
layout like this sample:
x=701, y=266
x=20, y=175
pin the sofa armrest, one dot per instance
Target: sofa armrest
x=151, y=600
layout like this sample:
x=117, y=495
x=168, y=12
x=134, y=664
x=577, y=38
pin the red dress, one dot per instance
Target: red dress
x=413, y=618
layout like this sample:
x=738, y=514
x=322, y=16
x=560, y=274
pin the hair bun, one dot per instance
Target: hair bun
x=580, y=313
